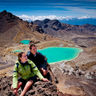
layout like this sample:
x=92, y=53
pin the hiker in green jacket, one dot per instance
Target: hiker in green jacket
x=28, y=71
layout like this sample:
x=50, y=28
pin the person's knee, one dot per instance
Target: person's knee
x=29, y=83
x=43, y=71
x=20, y=83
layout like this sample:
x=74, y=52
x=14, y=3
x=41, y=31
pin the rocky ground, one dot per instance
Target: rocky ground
x=67, y=86
x=38, y=89
x=73, y=82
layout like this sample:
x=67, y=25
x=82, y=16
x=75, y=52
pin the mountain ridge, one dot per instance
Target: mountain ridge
x=67, y=31
x=15, y=29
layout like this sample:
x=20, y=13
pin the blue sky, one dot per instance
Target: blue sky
x=60, y=9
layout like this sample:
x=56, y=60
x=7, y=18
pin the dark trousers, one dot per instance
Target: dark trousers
x=34, y=79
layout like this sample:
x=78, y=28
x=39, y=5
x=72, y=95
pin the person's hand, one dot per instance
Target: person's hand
x=45, y=80
x=15, y=91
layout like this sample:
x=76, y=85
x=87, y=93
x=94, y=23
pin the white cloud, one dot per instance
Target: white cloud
x=79, y=10
x=84, y=17
x=51, y=17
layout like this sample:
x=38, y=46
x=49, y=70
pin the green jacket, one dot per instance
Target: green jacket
x=25, y=72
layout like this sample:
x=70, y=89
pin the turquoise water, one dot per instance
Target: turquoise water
x=56, y=54
x=25, y=41
x=17, y=51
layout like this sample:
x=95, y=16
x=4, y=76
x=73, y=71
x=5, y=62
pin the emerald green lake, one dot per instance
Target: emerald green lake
x=57, y=54
x=25, y=41
x=17, y=51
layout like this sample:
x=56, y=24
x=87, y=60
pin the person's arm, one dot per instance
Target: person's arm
x=42, y=59
x=15, y=77
x=35, y=70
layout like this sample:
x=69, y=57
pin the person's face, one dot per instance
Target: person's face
x=23, y=58
x=33, y=50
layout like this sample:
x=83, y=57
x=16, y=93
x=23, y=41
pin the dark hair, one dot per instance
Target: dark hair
x=20, y=55
x=30, y=47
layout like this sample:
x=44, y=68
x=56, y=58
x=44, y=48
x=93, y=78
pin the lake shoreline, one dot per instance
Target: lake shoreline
x=69, y=49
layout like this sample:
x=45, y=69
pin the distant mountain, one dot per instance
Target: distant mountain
x=67, y=31
x=54, y=27
x=75, y=21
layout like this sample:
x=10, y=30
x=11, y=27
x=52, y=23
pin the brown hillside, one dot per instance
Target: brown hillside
x=14, y=29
